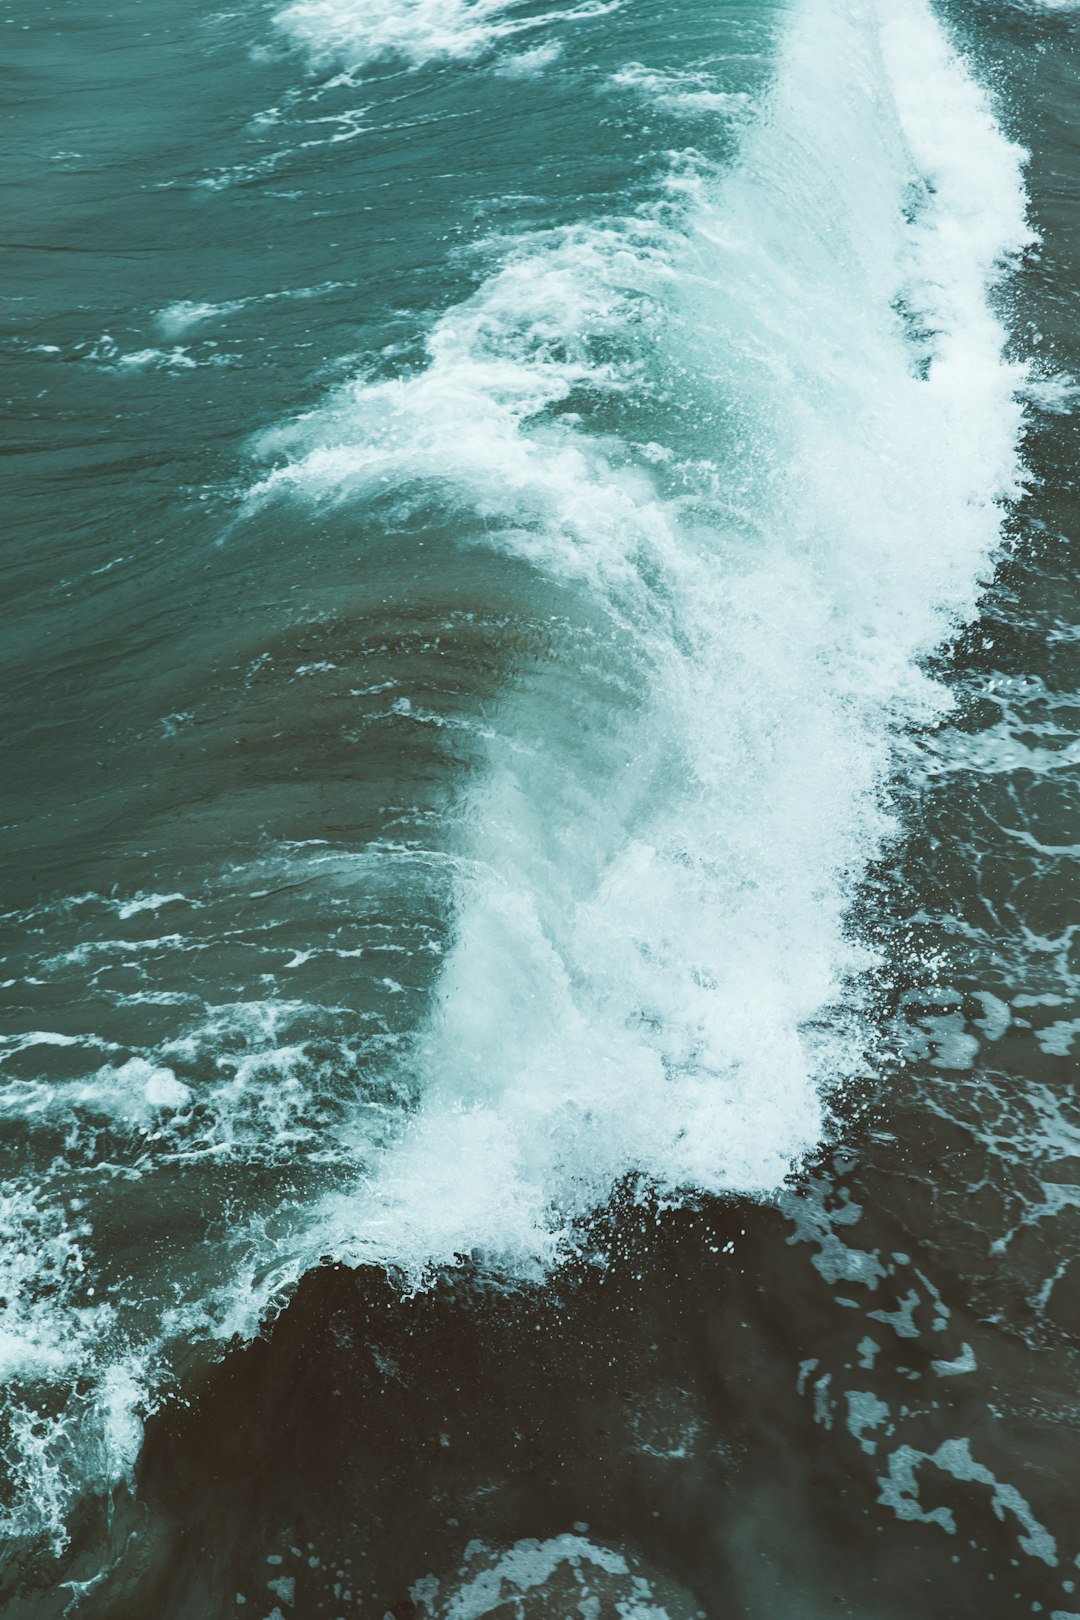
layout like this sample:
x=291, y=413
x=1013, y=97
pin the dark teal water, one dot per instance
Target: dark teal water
x=539, y=835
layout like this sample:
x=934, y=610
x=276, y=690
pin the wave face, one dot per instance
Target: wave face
x=744, y=452
x=761, y=436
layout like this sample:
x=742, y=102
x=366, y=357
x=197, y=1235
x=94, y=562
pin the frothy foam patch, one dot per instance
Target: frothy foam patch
x=359, y=33
x=1053, y=392
x=899, y=1490
x=567, y=1574
x=526, y=64
x=187, y=313
x=105, y=351
x=686, y=91
x=652, y=971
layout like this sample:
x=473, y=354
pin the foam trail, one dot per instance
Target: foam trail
x=652, y=971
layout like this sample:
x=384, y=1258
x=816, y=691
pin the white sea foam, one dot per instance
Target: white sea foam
x=183, y=316
x=107, y=352
x=1053, y=392
x=681, y=90
x=568, y=1573
x=188, y=313
x=527, y=64
x=899, y=1489
x=652, y=971
x=358, y=33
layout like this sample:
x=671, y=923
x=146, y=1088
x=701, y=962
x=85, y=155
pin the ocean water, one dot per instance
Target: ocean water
x=539, y=836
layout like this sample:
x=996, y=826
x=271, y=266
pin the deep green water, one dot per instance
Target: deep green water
x=542, y=686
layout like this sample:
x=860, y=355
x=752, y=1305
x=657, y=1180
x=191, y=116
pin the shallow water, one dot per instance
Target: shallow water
x=539, y=850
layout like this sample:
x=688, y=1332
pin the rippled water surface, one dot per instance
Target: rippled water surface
x=542, y=694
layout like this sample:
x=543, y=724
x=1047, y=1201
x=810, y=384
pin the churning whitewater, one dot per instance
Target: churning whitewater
x=746, y=449
x=650, y=969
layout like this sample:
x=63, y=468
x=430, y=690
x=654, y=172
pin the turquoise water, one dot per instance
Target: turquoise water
x=538, y=848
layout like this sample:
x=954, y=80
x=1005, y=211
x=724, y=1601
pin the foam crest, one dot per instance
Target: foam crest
x=652, y=972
